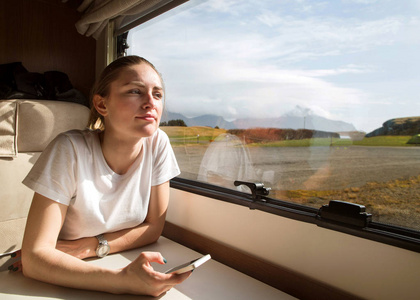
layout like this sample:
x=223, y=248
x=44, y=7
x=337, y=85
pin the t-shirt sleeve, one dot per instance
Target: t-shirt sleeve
x=165, y=166
x=53, y=174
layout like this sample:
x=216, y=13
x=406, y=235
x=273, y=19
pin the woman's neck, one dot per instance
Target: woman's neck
x=119, y=153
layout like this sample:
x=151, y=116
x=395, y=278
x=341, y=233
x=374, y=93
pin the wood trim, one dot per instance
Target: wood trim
x=288, y=281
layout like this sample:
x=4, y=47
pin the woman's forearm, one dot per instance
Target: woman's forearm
x=121, y=240
x=139, y=277
x=141, y=235
x=56, y=267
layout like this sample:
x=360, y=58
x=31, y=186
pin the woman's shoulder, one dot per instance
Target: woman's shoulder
x=159, y=137
x=161, y=134
x=159, y=140
x=78, y=137
x=78, y=134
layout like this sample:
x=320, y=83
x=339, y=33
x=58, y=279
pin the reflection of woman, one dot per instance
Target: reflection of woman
x=225, y=161
x=104, y=190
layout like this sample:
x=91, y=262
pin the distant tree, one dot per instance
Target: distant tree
x=177, y=122
x=163, y=124
x=216, y=127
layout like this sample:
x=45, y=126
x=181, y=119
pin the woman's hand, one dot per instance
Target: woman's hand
x=143, y=279
x=139, y=277
x=17, y=265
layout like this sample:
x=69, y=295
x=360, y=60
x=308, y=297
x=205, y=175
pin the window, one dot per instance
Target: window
x=317, y=100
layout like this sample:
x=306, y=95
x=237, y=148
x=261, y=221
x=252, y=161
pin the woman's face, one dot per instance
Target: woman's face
x=135, y=102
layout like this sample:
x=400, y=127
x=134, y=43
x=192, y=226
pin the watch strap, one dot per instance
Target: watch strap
x=103, y=246
x=101, y=239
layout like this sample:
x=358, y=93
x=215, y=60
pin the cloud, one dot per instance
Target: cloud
x=270, y=19
x=223, y=6
x=226, y=59
x=255, y=91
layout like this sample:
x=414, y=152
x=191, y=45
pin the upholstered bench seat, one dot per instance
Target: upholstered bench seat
x=26, y=128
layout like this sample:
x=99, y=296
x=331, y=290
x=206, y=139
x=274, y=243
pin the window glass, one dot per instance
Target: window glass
x=319, y=100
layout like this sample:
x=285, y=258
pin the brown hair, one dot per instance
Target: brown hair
x=102, y=85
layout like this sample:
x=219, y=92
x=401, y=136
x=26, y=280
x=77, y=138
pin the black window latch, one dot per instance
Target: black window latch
x=344, y=212
x=258, y=190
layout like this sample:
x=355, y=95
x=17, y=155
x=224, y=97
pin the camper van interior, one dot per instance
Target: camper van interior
x=287, y=178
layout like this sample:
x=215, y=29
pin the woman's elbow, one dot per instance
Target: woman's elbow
x=155, y=233
x=27, y=263
x=33, y=263
x=154, y=238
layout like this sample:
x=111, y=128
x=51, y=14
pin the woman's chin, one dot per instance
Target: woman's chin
x=148, y=130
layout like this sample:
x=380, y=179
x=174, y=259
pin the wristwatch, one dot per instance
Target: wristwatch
x=103, y=248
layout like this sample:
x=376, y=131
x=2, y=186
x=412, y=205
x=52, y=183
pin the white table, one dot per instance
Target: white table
x=213, y=280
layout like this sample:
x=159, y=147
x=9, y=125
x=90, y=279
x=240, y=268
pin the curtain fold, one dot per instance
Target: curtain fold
x=97, y=14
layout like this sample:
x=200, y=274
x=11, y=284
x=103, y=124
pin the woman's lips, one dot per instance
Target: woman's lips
x=149, y=118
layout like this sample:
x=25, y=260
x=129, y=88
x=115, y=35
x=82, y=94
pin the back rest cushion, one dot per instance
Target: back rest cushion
x=39, y=122
x=26, y=128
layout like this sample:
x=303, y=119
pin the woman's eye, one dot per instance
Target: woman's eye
x=137, y=92
x=159, y=95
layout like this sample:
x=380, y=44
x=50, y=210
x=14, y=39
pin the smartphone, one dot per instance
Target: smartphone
x=189, y=265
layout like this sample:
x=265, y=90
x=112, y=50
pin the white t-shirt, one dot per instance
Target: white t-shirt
x=72, y=170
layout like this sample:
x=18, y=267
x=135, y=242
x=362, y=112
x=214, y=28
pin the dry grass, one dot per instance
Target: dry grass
x=396, y=202
x=187, y=135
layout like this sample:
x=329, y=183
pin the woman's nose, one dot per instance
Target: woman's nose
x=149, y=101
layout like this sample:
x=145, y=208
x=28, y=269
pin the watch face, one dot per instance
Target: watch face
x=102, y=250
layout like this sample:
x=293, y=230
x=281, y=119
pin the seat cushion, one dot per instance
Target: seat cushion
x=8, y=132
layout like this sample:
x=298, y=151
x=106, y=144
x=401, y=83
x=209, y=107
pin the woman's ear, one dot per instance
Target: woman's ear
x=100, y=105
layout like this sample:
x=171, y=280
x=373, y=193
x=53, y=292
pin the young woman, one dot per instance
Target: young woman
x=104, y=190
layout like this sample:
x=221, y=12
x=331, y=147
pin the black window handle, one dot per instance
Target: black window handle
x=257, y=188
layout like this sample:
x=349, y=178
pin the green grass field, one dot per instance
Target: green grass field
x=389, y=141
x=198, y=134
x=384, y=141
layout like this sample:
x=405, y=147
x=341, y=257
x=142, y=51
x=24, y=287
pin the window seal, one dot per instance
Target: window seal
x=153, y=12
x=384, y=233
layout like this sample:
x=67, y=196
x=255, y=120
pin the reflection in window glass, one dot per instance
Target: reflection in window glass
x=317, y=99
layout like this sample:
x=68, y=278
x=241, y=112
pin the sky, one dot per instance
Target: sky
x=356, y=61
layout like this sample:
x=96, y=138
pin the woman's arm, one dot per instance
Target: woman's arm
x=42, y=261
x=146, y=233
x=150, y=230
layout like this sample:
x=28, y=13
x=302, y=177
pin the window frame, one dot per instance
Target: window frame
x=384, y=233
x=380, y=232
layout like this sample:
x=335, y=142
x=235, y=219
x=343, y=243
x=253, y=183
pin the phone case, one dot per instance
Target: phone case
x=189, y=265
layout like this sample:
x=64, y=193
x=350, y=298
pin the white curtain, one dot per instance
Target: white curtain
x=97, y=13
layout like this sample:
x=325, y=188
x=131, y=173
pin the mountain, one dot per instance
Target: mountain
x=204, y=120
x=398, y=126
x=290, y=121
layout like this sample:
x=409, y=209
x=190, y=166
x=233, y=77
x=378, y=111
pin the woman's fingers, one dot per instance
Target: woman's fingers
x=17, y=265
x=144, y=278
x=178, y=278
x=174, y=279
x=152, y=257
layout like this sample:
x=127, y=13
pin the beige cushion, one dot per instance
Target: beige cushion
x=15, y=198
x=40, y=121
x=29, y=125
x=8, y=141
x=11, y=235
x=26, y=128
